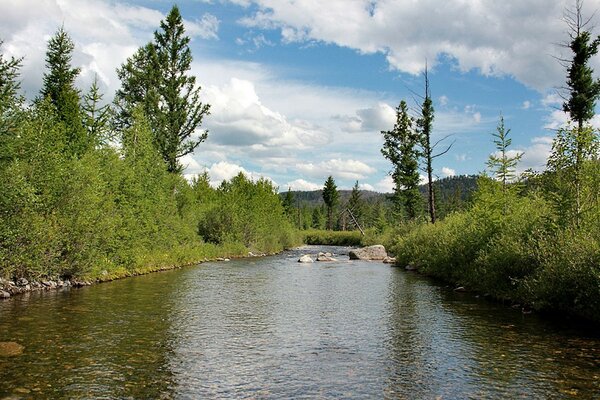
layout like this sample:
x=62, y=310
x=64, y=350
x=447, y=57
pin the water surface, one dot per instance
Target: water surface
x=274, y=328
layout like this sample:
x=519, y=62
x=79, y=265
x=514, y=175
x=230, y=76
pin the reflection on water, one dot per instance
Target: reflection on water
x=274, y=328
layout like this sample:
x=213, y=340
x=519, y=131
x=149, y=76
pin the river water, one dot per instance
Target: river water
x=274, y=328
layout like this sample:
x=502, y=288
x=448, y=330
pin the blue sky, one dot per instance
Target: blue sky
x=301, y=89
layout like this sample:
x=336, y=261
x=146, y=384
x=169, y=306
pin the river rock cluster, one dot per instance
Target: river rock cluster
x=10, y=288
x=369, y=253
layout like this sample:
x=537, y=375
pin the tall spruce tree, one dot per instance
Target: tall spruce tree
x=331, y=198
x=425, y=126
x=59, y=89
x=574, y=147
x=156, y=77
x=400, y=147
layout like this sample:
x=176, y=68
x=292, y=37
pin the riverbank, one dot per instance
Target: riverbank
x=13, y=287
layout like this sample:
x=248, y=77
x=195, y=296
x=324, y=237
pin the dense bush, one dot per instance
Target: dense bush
x=510, y=247
x=333, y=238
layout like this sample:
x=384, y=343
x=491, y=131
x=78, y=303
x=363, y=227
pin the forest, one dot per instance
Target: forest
x=94, y=190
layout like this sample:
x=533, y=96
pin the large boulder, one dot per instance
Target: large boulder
x=376, y=252
x=306, y=259
x=325, y=257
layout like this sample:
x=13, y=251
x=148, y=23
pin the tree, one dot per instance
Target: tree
x=288, y=203
x=502, y=163
x=156, y=78
x=59, y=87
x=356, y=203
x=331, y=199
x=10, y=103
x=96, y=118
x=400, y=147
x=573, y=147
x=425, y=127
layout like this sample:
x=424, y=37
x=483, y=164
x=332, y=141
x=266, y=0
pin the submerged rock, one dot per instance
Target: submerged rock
x=4, y=295
x=376, y=252
x=9, y=349
x=306, y=259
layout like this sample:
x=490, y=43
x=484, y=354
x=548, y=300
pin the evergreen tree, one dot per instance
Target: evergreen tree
x=9, y=85
x=10, y=104
x=288, y=203
x=425, y=125
x=59, y=88
x=502, y=164
x=356, y=203
x=96, y=116
x=331, y=198
x=574, y=147
x=400, y=147
x=156, y=77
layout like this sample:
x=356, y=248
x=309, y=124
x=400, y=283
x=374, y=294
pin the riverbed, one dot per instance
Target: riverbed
x=274, y=328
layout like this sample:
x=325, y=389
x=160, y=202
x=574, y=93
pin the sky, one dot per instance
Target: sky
x=301, y=89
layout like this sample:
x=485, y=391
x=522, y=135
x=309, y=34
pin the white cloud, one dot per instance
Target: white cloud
x=477, y=117
x=536, y=155
x=526, y=105
x=386, y=185
x=496, y=38
x=366, y=186
x=376, y=118
x=552, y=99
x=338, y=168
x=105, y=34
x=443, y=100
x=446, y=172
x=223, y=170
x=301, y=184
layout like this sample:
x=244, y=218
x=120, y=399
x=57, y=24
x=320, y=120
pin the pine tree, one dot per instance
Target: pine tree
x=425, y=125
x=288, y=203
x=331, y=198
x=502, y=164
x=156, y=77
x=400, y=147
x=96, y=116
x=10, y=103
x=59, y=88
x=574, y=147
x=356, y=203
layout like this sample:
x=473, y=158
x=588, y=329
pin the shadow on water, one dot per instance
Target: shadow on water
x=274, y=328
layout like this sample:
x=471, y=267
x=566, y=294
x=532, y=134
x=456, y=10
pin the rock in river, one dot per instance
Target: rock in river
x=8, y=349
x=376, y=252
x=306, y=259
x=325, y=257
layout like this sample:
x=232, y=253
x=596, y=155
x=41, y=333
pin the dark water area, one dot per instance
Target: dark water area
x=275, y=328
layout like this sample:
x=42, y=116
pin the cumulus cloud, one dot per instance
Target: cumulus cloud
x=526, y=105
x=338, y=168
x=105, y=34
x=386, y=185
x=223, y=170
x=376, y=118
x=447, y=172
x=495, y=38
x=240, y=119
x=301, y=184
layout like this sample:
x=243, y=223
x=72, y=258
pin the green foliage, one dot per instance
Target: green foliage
x=424, y=129
x=572, y=182
x=331, y=198
x=400, y=148
x=59, y=88
x=583, y=88
x=96, y=116
x=333, y=238
x=155, y=77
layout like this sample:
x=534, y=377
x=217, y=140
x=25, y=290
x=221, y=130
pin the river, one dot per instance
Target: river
x=274, y=328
